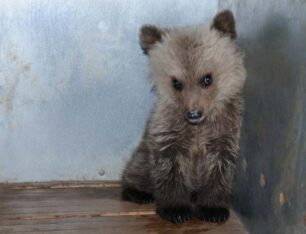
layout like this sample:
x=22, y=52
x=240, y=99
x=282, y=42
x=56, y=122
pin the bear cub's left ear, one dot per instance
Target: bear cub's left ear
x=224, y=22
x=149, y=35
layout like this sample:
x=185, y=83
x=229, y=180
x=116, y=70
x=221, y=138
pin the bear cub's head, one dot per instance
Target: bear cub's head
x=195, y=69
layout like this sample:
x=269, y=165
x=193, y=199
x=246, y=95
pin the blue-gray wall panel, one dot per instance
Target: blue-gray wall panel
x=74, y=93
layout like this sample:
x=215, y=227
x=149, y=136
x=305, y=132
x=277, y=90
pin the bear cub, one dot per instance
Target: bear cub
x=187, y=157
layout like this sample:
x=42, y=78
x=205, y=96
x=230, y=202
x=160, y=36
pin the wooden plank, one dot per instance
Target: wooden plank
x=27, y=203
x=88, y=208
x=60, y=185
x=121, y=224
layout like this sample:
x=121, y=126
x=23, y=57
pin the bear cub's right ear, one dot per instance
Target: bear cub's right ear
x=149, y=35
x=224, y=22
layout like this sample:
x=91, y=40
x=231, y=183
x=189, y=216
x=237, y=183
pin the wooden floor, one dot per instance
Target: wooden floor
x=88, y=208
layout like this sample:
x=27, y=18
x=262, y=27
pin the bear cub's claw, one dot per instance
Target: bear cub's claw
x=175, y=214
x=134, y=195
x=213, y=214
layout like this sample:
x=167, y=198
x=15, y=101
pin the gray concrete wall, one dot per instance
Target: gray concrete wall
x=74, y=93
x=270, y=191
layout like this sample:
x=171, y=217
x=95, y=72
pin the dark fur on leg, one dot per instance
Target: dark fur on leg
x=214, y=197
x=136, y=181
x=213, y=214
x=134, y=195
x=178, y=214
x=172, y=195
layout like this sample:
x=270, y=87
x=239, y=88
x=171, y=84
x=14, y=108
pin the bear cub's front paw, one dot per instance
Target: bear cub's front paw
x=176, y=215
x=134, y=195
x=213, y=214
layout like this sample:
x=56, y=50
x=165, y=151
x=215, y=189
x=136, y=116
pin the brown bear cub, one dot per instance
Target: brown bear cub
x=187, y=158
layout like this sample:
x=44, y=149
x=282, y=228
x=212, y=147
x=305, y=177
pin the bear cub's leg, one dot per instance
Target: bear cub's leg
x=134, y=195
x=171, y=195
x=213, y=214
x=136, y=181
x=214, y=196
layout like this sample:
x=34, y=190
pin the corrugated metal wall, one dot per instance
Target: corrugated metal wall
x=74, y=93
x=271, y=183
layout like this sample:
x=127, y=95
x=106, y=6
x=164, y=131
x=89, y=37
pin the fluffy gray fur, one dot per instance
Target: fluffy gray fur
x=188, y=168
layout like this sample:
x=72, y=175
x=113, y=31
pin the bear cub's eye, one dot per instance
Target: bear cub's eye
x=206, y=80
x=177, y=84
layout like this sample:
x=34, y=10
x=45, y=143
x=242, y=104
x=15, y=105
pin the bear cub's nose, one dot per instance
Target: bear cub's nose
x=194, y=115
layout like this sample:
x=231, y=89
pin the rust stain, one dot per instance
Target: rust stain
x=8, y=99
x=26, y=67
x=305, y=219
x=282, y=199
x=262, y=180
x=11, y=53
x=19, y=68
x=13, y=57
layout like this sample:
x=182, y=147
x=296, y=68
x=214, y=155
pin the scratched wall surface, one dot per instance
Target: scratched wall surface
x=74, y=93
x=270, y=192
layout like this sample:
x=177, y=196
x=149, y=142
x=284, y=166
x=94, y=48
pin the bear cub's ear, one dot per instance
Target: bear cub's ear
x=149, y=35
x=224, y=22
